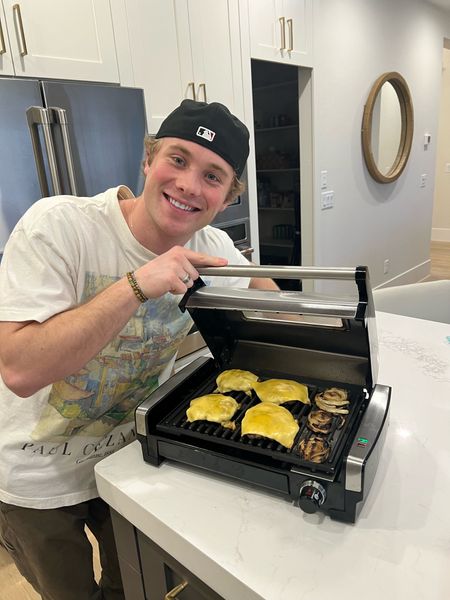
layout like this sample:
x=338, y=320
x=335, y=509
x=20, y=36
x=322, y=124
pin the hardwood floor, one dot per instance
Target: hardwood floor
x=440, y=261
x=14, y=587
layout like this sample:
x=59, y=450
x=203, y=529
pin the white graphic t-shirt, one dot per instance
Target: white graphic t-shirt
x=61, y=253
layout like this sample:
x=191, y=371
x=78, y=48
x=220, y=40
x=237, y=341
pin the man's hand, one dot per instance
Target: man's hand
x=168, y=272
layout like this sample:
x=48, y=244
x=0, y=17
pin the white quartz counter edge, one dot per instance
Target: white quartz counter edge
x=251, y=545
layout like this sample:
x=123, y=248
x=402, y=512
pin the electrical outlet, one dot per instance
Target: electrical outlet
x=447, y=167
x=386, y=266
x=423, y=180
x=323, y=180
x=327, y=200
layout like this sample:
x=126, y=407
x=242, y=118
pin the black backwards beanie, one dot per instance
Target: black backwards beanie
x=212, y=126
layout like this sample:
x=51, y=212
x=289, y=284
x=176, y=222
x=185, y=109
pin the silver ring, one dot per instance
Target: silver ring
x=186, y=279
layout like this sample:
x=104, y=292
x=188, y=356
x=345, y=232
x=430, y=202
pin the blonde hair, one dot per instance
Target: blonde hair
x=152, y=147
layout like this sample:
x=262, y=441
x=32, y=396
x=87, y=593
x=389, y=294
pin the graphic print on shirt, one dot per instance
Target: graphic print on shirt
x=106, y=392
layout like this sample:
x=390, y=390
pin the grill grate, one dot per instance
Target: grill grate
x=175, y=423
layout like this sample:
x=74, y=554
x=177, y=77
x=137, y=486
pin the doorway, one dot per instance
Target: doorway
x=440, y=235
x=277, y=154
x=283, y=133
x=441, y=208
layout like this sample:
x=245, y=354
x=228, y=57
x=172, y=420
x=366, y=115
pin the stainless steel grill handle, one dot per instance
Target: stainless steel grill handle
x=2, y=40
x=36, y=115
x=281, y=272
x=61, y=118
x=358, y=275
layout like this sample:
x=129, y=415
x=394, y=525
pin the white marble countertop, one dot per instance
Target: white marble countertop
x=249, y=544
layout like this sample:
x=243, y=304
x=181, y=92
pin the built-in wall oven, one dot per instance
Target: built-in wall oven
x=236, y=222
x=239, y=232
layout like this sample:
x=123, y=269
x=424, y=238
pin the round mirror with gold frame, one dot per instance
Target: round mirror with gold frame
x=387, y=127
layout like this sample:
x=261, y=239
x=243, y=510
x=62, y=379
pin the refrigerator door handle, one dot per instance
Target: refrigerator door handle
x=36, y=115
x=60, y=116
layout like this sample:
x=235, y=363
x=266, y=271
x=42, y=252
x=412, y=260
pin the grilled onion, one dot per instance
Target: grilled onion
x=333, y=400
x=320, y=421
x=314, y=448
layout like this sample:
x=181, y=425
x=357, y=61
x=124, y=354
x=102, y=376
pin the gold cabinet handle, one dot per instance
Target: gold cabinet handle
x=202, y=86
x=2, y=41
x=282, y=21
x=19, y=25
x=291, y=34
x=176, y=590
x=191, y=85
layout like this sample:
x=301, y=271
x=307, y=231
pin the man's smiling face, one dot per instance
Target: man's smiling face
x=185, y=188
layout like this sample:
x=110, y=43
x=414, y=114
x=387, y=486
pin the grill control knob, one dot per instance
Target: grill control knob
x=312, y=495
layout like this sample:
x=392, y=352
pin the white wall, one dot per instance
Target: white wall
x=441, y=212
x=355, y=41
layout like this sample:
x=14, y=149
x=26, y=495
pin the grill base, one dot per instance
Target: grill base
x=341, y=505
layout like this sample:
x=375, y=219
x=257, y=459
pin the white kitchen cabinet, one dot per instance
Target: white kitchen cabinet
x=281, y=31
x=215, y=43
x=67, y=39
x=6, y=64
x=185, y=49
x=156, y=40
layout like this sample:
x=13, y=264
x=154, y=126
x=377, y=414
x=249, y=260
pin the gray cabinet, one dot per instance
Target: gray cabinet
x=150, y=573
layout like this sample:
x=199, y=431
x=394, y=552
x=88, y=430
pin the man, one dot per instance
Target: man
x=89, y=326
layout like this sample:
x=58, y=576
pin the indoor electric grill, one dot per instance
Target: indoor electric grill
x=317, y=340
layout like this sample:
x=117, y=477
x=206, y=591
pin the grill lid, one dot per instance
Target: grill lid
x=326, y=333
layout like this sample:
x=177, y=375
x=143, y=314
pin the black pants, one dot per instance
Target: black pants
x=51, y=550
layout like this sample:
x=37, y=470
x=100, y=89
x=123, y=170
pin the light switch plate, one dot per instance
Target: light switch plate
x=327, y=200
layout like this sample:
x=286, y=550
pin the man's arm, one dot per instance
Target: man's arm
x=33, y=355
x=260, y=283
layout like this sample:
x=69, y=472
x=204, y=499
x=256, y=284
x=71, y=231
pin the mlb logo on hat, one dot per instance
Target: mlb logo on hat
x=205, y=133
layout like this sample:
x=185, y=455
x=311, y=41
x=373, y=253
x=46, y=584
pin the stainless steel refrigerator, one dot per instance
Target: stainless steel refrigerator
x=66, y=138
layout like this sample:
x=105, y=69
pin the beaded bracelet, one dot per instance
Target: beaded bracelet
x=135, y=287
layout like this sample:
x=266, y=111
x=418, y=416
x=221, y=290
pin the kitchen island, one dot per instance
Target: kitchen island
x=249, y=544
